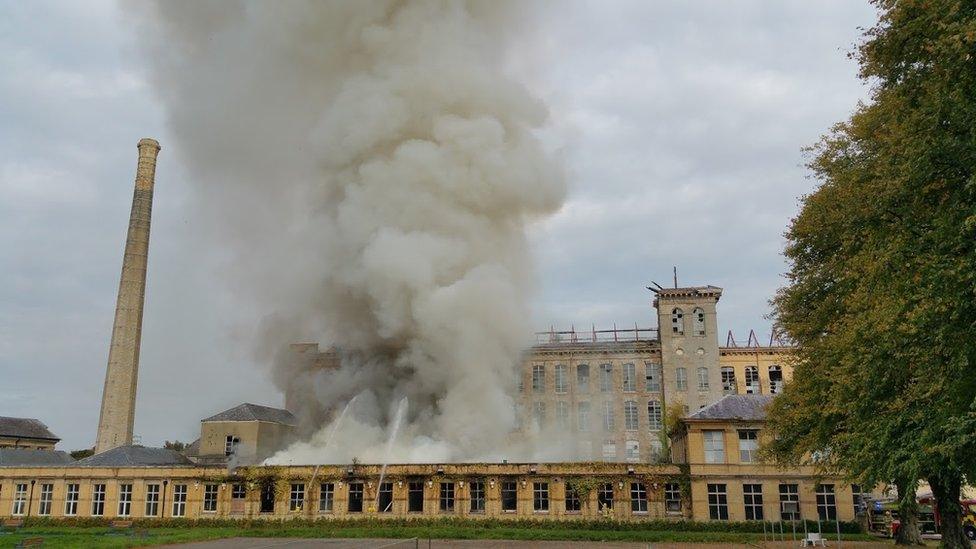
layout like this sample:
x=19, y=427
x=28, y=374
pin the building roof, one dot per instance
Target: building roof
x=688, y=291
x=255, y=412
x=25, y=427
x=134, y=456
x=741, y=407
x=14, y=457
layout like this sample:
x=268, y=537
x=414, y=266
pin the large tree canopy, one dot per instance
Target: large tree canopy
x=881, y=293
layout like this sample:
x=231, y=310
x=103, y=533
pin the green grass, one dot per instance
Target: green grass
x=84, y=537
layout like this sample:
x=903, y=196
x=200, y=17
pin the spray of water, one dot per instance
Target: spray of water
x=394, y=430
x=368, y=170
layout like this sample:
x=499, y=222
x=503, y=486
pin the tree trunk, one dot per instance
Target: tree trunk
x=945, y=489
x=908, y=533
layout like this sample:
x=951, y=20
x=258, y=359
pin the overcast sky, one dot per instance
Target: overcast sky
x=681, y=124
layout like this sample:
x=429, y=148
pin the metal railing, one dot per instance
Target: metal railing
x=596, y=336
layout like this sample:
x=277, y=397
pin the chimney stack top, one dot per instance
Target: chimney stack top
x=149, y=142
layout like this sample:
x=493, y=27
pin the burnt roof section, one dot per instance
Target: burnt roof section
x=25, y=427
x=255, y=412
x=737, y=407
x=135, y=456
x=18, y=457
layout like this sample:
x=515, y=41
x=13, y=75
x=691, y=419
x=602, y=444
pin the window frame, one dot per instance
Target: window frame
x=562, y=415
x=447, y=498
x=632, y=450
x=356, y=489
x=560, y=385
x=681, y=378
x=628, y=377
x=652, y=377
x=638, y=498
x=714, y=449
x=677, y=321
x=98, y=500
x=326, y=497
x=384, y=497
x=752, y=380
x=672, y=494
x=583, y=378
x=72, y=494
x=211, y=494
x=606, y=377
x=728, y=380
x=19, y=502
x=572, y=502
x=631, y=416
x=749, y=453
x=789, y=492
x=655, y=415
x=179, y=500
x=604, y=496
x=296, y=497
x=153, y=490
x=752, y=501
x=703, y=384
x=826, y=495
x=477, y=496
x=45, y=499
x=125, y=499
x=538, y=378
x=509, y=496
x=415, y=496
x=609, y=421
x=583, y=416
x=540, y=497
x=698, y=321
x=718, y=501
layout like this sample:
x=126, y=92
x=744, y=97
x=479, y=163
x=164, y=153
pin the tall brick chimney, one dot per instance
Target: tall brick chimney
x=121, y=375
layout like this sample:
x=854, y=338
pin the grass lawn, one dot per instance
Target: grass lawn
x=82, y=537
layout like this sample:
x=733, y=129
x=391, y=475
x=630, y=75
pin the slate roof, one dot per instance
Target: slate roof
x=740, y=407
x=25, y=427
x=11, y=457
x=255, y=412
x=134, y=456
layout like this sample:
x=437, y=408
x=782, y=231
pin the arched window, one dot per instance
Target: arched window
x=752, y=381
x=702, y=378
x=699, y=321
x=655, y=416
x=775, y=379
x=677, y=321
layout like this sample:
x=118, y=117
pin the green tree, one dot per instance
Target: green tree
x=175, y=445
x=81, y=454
x=881, y=293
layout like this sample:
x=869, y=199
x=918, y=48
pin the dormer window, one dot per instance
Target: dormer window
x=677, y=321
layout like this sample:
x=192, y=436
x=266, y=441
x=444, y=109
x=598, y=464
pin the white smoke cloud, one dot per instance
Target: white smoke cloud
x=370, y=169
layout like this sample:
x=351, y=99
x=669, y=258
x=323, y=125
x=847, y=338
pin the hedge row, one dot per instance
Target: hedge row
x=455, y=522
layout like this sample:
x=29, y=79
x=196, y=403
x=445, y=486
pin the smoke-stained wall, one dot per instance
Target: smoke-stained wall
x=369, y=169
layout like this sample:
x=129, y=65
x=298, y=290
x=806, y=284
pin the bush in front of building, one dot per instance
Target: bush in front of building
x=325, y=524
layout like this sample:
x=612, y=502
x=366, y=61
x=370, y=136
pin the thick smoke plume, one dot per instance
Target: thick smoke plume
x=370, y=169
